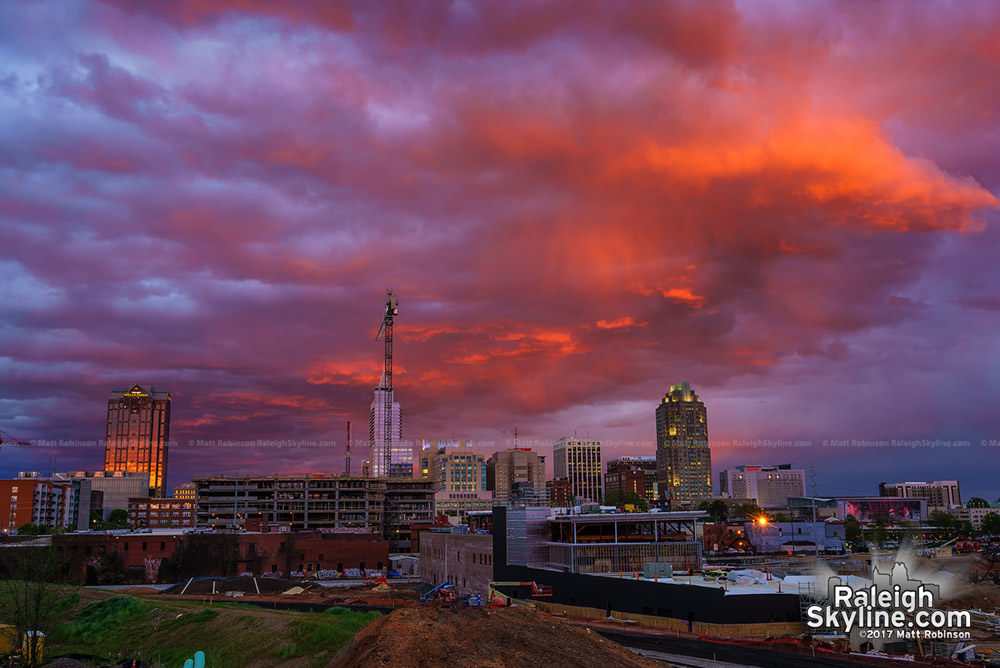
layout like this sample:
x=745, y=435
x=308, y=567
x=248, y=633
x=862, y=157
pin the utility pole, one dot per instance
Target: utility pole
x=236, y=500
x=812, y=477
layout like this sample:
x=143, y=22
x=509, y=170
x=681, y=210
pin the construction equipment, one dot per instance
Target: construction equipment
x=445, y=591
x=6, y=438
x=495, y=597
x=391, y=310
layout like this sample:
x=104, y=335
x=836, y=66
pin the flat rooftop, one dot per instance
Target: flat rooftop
x=610, y=518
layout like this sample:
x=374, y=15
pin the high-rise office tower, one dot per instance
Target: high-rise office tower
x=579, y=461
x=513, y=469
x=137, y=434
x=683, y=459
x=400, y=453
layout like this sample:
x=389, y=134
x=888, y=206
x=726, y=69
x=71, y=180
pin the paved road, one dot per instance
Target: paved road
x=737, y=654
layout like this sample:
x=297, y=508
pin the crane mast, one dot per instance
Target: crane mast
x=347, y=458
x=385, y=332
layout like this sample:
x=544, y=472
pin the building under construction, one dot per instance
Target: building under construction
x=395, y=509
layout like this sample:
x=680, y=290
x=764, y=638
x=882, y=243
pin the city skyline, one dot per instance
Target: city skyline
x=579, y=208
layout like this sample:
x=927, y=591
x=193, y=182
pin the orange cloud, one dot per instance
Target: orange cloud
x=845, y=163
x=620, y=323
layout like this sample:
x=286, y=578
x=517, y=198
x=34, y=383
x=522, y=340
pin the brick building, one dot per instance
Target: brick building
x=139, y=556
x=30, y=499
x=464, y=560
x=153, y=513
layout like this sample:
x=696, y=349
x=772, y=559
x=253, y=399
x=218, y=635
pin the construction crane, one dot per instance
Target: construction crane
x=347, y=459
x=6, y=438
x=385, y=332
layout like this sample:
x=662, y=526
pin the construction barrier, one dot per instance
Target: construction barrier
x=8, y=636
x=743, y=631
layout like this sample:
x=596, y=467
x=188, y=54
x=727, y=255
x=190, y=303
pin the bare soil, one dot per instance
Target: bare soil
x=481, y=638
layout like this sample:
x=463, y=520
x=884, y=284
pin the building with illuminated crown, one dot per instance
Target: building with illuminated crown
x=683, y=459
x=138, y=431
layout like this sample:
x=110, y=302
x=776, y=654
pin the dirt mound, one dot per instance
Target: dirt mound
x=481, y=638
x=983, y=596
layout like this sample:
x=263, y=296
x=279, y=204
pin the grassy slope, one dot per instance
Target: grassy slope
x=165, y=632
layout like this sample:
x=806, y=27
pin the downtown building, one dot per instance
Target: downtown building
x=32, y=499
x=102, y=492
x=769, y=486
x=940, y=494
x=138, y=430
x=683, y=458
x=396, y=509
x=458, y=475
x=631, y=475
x=516, y=473
x=393, y=458
x=578, y=460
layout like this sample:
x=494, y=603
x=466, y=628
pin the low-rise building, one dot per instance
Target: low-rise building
x=616, y=480
x=388, y=506
x=769, y=486
x=869, y=509
x=141, y=556
x=940, y=494
x=104, y=492
x=457, y=505
x=465, y=560
x=32, y=499
x=154, y=513
x=607, y=543
x=560, y=492
x=184, y=491
x=790, y=537
x=974, y=515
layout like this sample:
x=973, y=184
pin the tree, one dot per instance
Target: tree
x=34, y=530
x=977, y=502
x=991, y=524
x=628, y=498
x=118, y=517
x=719, y=510
x=942, y=520
x=852, y=529
x=32, y=602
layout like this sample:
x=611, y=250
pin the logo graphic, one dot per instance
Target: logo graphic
x=893, y=607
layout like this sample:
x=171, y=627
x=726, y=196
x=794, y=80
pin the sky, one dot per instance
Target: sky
x=792, y=206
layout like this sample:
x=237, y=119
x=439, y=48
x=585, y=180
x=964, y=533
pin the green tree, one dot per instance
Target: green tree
x=966, y=528
x=118, y=518
x=719, y=510
x=34, y=530
x=942, y=520
x=619, y=499
x=991, y=524
x=852, y=529
x=977, y=502
x=31, y=602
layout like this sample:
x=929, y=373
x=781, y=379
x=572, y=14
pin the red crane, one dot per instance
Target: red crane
x=7, y=438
